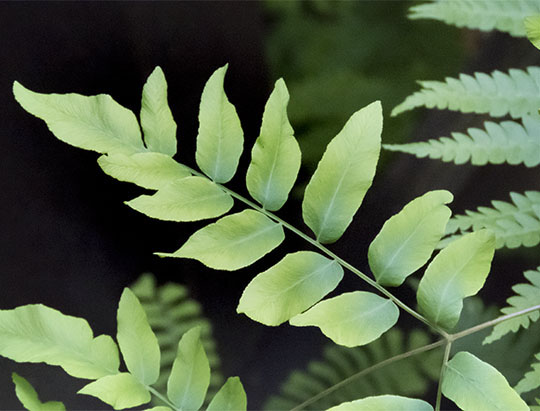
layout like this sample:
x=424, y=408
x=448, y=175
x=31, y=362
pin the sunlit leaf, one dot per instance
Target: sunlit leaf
x=532, y=26
x=458, y=271
x=275, y=159
x=233, y=242
x=136, y=339
x=156, y=118
x=231, y=397
x=148, y=170
x=351, y=319
x=476, y=386
x=95, y=123
x=407, y=240
x=28, y=396
x=220, y=140
x=344, y=174
x=188, y=199
x=190, y=374
x=36, y=333
x=288, y=288
x=119, y=391
x=384, y=403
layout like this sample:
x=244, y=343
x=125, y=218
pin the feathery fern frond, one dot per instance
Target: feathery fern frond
x=485, y=15
x=506, y=142
x=514, y=225
x=340, y=363
x=531, y=380
x=171, y=313
x=527, y=295
x=497, y=94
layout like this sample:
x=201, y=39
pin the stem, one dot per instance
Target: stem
x=441, y=376
x=374, y=367
x=162, y=398
x=491, y=323
x=329, y=253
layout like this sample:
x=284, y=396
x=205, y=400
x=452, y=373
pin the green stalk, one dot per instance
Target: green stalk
x=329, y=253
x=162, y=398
x=441, y=376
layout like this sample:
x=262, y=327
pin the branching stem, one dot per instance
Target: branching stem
x=162, y=398
x=329, y=253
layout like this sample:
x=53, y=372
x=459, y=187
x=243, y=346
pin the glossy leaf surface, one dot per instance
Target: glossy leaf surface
x=220, y=140
x=188, y=199
x=36, y=333
x=458, y=271
x=28, y=396
x=477, y=386
x=344, y=174
x=351, y=319
x=190, y=374
x=275, y=158
x=95, y=123
x=148, y=170
x=407, y=240
x=156, y=118
x=231, y=397
x=288, y=288
x=136, y=339
x=119, y=391
x=233, y=242
x=384, y=403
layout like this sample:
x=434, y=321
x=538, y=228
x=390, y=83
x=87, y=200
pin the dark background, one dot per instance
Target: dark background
x=68, y=241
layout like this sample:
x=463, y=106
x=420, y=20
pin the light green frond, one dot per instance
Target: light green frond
x=527, y=295
x=485, y=15
x=339, y=363
x=498, y=94
x=514, y=224
x=531, y=380
x=171, y=313
x=506, y=142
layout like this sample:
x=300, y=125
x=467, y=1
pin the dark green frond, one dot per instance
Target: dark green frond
x=339, y=363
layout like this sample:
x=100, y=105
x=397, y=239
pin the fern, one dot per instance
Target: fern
x=514, y=224
x=484, y=15
x=506, y=142
x=531, y=380
x=340, y=363
x=171, y=313
x=498, y=94
x=527, y=295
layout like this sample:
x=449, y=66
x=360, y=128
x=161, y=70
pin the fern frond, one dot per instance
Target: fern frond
x=527, y=295
x=340, y=363
x=171, y=313
x=514, y=225
x=485, y=15
x=506, y=142
x=531, y=380
x=497, y=94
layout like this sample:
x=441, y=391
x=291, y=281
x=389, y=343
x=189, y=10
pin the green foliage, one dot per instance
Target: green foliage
x=498, y=94
x=531, y=380
x=171, y=313
x=532, y=27
x=384, y=402
x=507, y=142
x=527, y=295
x=28, y=396
x=458, y=271
x=485, y=15
x=344, y=174
x=300, y=280
x=351, y=319
x=230, y=397
x=475, y=385
x=407, y=240
x=35, y=333
x=514, y=225
x=341, y=363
